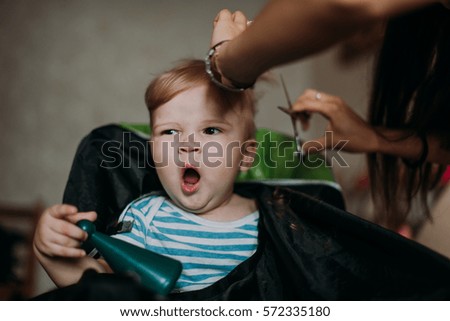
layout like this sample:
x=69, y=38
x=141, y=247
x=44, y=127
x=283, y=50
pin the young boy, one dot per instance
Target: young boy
x=202, y=137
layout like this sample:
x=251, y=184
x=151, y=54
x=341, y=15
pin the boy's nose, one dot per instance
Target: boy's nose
x=186, y=147
x=189, y=144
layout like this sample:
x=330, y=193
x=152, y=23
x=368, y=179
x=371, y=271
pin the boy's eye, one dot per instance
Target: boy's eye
x=169, y=132
x=211, y=131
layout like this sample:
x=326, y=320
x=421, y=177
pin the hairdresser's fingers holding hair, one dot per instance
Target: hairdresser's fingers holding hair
x=223, y=24
x=240, y=19
x=224, y=15
x=227, y=26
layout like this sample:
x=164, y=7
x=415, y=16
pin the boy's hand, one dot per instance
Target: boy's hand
x=57, y=235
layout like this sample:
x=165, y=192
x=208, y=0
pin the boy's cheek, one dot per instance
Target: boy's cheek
x=160, y=151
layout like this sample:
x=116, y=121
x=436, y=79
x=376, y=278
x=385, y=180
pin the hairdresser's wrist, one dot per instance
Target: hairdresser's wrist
x=402, y=144
x=229, y=71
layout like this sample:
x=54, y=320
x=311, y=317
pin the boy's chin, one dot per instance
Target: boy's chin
x=192, y=206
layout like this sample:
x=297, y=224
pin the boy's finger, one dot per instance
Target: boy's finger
x=56, y=245
x=64, y=251
x=63, y=240
x=62, y=210
x=91, y=216
x=69, y=230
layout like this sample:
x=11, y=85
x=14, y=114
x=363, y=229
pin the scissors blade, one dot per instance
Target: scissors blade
x=286, y=92
x=298, y=144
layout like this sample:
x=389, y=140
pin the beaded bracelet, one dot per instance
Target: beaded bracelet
x=423, y=155
x=213, y=74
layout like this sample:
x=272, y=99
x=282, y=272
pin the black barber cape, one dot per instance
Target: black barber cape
x=308, y=249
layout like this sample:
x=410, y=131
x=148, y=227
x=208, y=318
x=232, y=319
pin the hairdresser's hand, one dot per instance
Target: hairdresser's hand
x=57, y=235
x=349, y=130
x=227, y=26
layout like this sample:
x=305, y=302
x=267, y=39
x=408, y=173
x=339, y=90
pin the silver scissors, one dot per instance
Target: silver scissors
x=292, y=114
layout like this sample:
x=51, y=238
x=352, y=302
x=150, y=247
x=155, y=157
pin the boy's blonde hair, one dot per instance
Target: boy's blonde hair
x=191, y=73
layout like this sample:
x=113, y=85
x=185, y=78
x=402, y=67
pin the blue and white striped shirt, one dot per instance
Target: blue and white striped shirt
x=208, y=250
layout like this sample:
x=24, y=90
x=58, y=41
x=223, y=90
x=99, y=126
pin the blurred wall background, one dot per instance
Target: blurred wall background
x=67, y=67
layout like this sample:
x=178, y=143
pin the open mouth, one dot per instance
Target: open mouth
x=190, y=180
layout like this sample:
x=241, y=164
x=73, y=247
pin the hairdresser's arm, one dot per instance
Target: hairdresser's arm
x=351, y=133
x=393, y=142
x=287, y=30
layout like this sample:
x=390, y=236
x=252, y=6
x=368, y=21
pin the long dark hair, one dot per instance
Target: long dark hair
x=411, y=91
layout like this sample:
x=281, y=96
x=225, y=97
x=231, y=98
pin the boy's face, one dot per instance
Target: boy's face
x=196, y=147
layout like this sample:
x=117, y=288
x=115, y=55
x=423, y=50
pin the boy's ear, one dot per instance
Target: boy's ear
x=150, y=143
x=150, y=151
x=248, y=151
